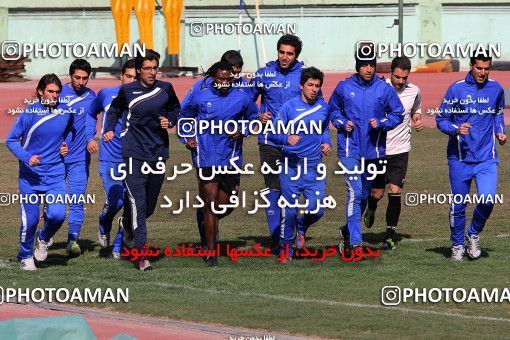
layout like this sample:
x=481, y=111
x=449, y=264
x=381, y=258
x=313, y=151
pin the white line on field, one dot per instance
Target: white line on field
x=416, y=240
x=329, y=302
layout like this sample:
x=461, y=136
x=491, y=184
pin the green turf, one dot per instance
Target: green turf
x=308, y=298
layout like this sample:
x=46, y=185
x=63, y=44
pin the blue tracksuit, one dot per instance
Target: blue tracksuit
x=275, y=86
x=359, y=101
x=473, y=155
x=78, y=160
x=215, y=149
x=197, y=87
x=295, y=112
x=143, y=140
x=110, y=157
x=41, y=134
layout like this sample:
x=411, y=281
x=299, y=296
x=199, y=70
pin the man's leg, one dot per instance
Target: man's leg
x=352, y=229
x=55, y=213
x=270, y=155
x=29, y=220
x=461, y=175
x=200, y=224
x=289, y=214
x=486, y=179
x=314, y=191
x=135, y=205
x=154, y=184
x=114, y=191
x=228, y=185
x=397, y=169
x=376, y=195
x=208, y=193
x=77, y=176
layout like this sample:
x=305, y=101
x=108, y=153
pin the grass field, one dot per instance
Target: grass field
x=328, y=299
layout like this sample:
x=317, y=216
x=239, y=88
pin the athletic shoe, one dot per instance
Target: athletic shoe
x=211, y=261
x=128, y=238
x=344, y=242
x=300, y=241
x=41, y=249
x=457, y=252
x=144, y=265
x=73, y=248
x=473, y=249
x=389, y=244
x=369, y=218
x=27, y=264
x=102, y=239
x=116, y=255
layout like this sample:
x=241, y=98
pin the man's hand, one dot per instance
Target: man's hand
x=34, y=160
x=64, y=150
x=350, y=126
x=418, y=124
x=501, y=138
x=191, y=144
x=464, y=129
x=92, y=146
x=265, y=117
x=164, y=122
x=326, y=149
x=373, y=123
x=235, y=136
x=108, y=136
x=293, y=140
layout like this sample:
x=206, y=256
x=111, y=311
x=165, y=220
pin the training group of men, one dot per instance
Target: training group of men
x=373, y=117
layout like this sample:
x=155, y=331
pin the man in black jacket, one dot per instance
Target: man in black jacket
x=148, y=107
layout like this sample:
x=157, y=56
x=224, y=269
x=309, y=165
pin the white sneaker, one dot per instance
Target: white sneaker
x=41, y=249
x=27, y=264
x=102, y=239
x=116, y=255
x=458, y=252
x=473, y=249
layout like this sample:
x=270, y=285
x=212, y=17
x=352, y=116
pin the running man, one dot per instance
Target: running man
x=398, y=145
x=36, y=139
x=363, y=108
x=148, y=107
x=80, y=99
x=276, y=83
x=218, y=103
x=472, y=115
x=110, y=157
x=300, y=150
x=235, y=59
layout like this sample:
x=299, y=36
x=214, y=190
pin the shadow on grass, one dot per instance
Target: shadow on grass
x=447, y=251
x=85, y=245
x=374, y=238
x=53, y=260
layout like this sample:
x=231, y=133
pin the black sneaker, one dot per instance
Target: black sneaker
x=211, y=261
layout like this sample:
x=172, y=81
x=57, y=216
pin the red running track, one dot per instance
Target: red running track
x=433, y=87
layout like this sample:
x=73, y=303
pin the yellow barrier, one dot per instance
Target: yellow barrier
x=144, y=11
x=121, y=10
x=172, y=10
